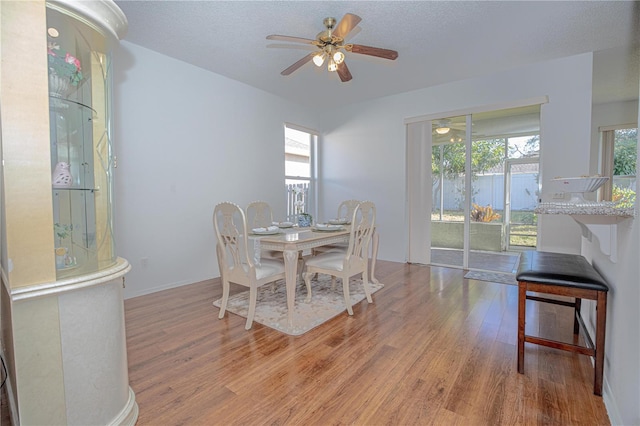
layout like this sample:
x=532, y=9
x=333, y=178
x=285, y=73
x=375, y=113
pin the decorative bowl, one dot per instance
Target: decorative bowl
x=577, y=186
x=580, y=184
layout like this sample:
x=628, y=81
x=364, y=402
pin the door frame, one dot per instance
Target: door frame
x=419, y=195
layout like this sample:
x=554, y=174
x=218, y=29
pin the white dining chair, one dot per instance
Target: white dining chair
x=345, y=211
x=346, y=208
x=350, y=262
x=236, y=262
x=259, y=214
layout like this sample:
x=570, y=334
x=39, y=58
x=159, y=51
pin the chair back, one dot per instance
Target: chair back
x=259, y=215
x=346, y=208
x=362, y=225
x=230, y=225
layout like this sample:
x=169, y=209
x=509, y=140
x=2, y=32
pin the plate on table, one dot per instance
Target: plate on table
x=341, y=221
x=284, y=225
x=265, y=232
x=323, y=227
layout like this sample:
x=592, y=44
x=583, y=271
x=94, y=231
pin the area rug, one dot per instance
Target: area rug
x=494, y=277
x=271, y=307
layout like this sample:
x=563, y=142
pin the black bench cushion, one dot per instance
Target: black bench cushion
x=569, y=270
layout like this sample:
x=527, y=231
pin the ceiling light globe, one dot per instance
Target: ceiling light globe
x=442, y=130
x=338, y=57
x=332, y=65
x=318, y=59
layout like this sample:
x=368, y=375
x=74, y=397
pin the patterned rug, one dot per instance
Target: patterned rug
x=271, y=308
x=494, y=277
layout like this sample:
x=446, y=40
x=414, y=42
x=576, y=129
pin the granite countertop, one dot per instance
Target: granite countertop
x=600, y=208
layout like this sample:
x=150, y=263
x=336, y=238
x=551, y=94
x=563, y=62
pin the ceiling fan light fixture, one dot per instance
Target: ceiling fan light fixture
x=331, y=43
x=332, y=65
x=319, y=59
x=442, y=130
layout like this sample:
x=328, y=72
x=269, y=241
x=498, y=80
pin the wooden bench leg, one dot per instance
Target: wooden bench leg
x=522, y=303
x=576, y=314
x=601, y=325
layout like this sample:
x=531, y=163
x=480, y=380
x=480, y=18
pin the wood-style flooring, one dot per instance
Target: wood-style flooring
x=433, y=348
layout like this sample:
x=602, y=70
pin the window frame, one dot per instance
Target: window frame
x=312, y=197
x=607, y=147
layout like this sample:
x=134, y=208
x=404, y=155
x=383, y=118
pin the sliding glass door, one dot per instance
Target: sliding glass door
x=484, y=182
x=522, y=177
x=487, y=224
x=448, y=191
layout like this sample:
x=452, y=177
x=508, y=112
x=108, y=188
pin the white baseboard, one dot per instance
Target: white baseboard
x=610, y=404
x=143, y=292
x=129, y=414
x=13, y=406
x=607, y=394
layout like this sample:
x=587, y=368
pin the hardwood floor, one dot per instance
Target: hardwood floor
x=433, y=348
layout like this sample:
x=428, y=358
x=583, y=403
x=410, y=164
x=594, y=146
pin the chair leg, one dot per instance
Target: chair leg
x=365, y=284
x=307, y=282
x=253, y=295
x=347, y=297
x=225, y=298
x=522, y=303
x=333, y=282
x=601, y=326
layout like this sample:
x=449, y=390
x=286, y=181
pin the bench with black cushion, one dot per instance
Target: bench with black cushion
x=564, y=275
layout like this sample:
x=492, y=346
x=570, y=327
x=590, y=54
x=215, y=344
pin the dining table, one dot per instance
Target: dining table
x=292, y=241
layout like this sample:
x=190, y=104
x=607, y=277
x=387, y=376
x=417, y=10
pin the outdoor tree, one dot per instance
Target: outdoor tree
x=531, y=148
x=625, y=148
x=448, y=161
x=624, y=164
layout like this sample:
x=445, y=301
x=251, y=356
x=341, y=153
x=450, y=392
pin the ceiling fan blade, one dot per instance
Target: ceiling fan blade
x=347, y=23
x=298, y=64
x=373, y=51
x=289, y=38
x=343, y=72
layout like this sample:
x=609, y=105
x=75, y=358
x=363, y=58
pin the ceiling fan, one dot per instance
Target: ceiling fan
x=331, y=44
x=450, y=130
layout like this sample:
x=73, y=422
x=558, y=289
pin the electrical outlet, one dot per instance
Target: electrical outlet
x=558, y=195
x=144, y=262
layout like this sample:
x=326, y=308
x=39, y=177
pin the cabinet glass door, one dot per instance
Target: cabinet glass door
x=81, y=158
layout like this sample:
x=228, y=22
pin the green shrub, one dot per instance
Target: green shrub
x=623, y=197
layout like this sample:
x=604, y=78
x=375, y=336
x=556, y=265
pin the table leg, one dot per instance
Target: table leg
x=375, y=240
x=291, y=279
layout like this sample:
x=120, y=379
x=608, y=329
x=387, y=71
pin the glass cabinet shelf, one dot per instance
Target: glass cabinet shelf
x=79, y=68
x=76, y=189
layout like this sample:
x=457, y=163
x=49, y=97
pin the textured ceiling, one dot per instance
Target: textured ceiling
x=437, y=42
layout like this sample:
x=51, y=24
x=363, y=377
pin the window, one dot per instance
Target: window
x=619, y=157
x=299, y=165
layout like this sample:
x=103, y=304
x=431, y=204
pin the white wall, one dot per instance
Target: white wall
x=187, y=139
x=363, y=146
x=622, y=369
